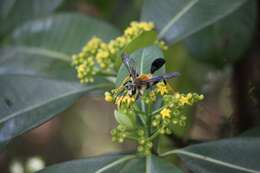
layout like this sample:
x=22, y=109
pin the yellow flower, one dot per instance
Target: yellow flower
x=128, y=99
x=119, y=100
x=185, y=99
x=124, y=99
x=161, y=88
x=99, y=56
x=108, y=96
x=201, y=97
x=165, y=113
x=177, y=96
x=152, y=96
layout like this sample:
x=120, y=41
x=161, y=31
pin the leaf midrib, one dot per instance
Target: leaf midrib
x=39, y=51
x=183, y=11
x=13, y=115
x=186, y=8
x=209, y=159
x=142, y=62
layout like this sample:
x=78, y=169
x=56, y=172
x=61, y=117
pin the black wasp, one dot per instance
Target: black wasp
x=136, y=83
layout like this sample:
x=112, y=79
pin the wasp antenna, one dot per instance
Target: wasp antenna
x=157, y=64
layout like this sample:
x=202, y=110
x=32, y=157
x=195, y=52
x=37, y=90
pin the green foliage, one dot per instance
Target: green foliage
x=225, y=41
x=40, y=71
x=28, y=101
x=37, y=80
x=63, y=32
x=115, y=163
x=13, y=13
x=177, y=20
x=124, y=119
x=232, y=155
x=89, y=165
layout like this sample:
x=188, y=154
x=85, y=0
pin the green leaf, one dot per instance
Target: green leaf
x=88, y=165
x=177, y=19
x=232, y=155
x=145, y=39
x=13, y=12
x=143, y=58
x=134, y=166
x=225, y=41
x=27, y=102
x=124, y=119
x=37, y=80
x=150, y=164
x=157, y=165
x=115, y=163
x=64, y=32
x=254, y=132
x=38, y=62
x=192, y=72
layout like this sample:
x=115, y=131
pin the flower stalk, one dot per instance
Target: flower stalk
x=141, y=121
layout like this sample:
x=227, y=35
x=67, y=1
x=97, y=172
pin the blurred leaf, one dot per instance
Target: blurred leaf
x=193, y=73
x=232, y=155
x=143, y=58
x=26, y=102
x=64, y=32
x=110, y=163
x=225, y=41
x=124, y=12
x=13, y=12
x=124, y=119
x=145, y=39
x=177, y=19
x=88, y=165
x=157, y=165
x=150, y=164
x=134, y=166
x=254, y=132
x=37, y=80
x=36, y=62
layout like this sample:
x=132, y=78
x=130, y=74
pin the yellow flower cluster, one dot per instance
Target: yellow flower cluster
x=173, y=109
x=85, y=61
x=108, y=96
x=161, y=88
x=161, y=44
x=187, y=99
x=98, y=56
x=124, y=99
x=149, y=97
x=170, y=113
x=165, y=113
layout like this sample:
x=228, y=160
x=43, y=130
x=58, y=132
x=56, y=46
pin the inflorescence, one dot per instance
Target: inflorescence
x=142, y=121
x=99, y=58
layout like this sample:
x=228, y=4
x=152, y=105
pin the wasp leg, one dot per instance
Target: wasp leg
x=137, y=95
x=164, y=81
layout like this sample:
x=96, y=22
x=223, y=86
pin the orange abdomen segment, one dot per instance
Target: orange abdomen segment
x=144, y=77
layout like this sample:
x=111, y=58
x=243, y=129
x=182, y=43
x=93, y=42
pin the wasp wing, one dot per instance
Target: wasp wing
x=129, y=64
x=157, y=79
x=157, y=64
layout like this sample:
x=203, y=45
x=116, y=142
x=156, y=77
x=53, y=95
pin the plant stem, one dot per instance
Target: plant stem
x=148, y=164
x=123, y=159
x=158, y=110
x=149, y=116
x=154, y=135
